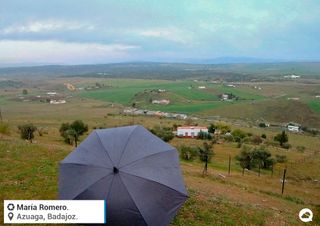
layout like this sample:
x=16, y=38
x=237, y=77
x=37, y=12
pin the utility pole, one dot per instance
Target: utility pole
x=283, y=180
x=229, y=165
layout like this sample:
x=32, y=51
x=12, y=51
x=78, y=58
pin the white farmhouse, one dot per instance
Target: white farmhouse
x=57, y=102
x=164, y=102
x=190, y=131
x=293, y=128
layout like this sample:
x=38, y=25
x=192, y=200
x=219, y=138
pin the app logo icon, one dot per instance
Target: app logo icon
x=305, y=215
x=10, y=206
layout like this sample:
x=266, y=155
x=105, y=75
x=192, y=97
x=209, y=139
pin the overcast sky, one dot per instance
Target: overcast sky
x=103, y=31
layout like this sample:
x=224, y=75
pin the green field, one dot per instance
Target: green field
x=185, y=96
x=315, y=105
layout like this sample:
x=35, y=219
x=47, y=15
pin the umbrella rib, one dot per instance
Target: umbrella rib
x=82, y=164
x=104, y=147
x=132, y=199
x=147, y=157
x=143, y=178
x=107, y=198
x=89, y=152
x=125, y=147
x=91, y=185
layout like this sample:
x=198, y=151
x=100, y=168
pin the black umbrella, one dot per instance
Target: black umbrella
x=133, y=170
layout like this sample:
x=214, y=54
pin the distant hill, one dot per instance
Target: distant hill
x=231, y=71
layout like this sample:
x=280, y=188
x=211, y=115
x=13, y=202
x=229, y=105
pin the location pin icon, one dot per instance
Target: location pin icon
x=10, y=215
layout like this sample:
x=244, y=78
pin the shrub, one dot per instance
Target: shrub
x=211, y=128
x=300, y=148
x=26, y=131
x=165, y=133
x=286, y=146
x=188, y=153
x=282, y=138
x=264, y=136
x=281, y=158
x=262, y=125
x=238, y=134
x=256, y=140
x=228, y=138
x=204, y=136
x=4, y=128
x=223, y=128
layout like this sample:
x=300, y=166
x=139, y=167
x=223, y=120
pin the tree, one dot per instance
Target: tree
x=223, y=128
x=262, y=158
x=281, y=138
x=72, y=132
x=165, y=133
x=205, y=154
x=211, y=128
x=188, y=153
x=262, y=124
x=24, y=92
x=245, y=158
x=238, y=135
x=26, y=131
x=204, y=136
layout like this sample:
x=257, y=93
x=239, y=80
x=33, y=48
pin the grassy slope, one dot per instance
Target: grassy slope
x=234, y=200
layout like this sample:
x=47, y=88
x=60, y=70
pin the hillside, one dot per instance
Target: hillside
x=228, y=72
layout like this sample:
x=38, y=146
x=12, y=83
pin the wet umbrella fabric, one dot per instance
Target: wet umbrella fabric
x=135, y=171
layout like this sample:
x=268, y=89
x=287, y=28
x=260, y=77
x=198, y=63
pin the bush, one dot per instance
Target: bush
x=26, y=131
x=281, y=158
x=188, y=153
x=165, y=133
x=282, y=138
x=228, y=138
x=256, y=140
x=204, y=136
x=223, y=128
x=263, y=136
x=262, y=125
x=286, y=146
x=4, y=128
x=238, y=134
x=300, y=148
x=211, y=128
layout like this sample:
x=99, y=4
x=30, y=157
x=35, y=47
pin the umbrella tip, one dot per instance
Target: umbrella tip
x=115, y=170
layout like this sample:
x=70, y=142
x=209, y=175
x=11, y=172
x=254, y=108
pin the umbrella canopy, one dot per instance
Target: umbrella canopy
x=136, y=172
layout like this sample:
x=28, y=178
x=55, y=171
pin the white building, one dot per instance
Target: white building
x=57, y=102
x=164, y=102
x=293, y=128
x=190, y=131
x=224, y=96
x=51, y=93
x=292, y=76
